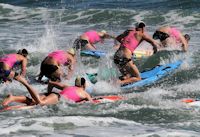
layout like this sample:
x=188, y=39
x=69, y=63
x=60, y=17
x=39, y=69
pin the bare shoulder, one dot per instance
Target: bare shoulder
x=20, y=57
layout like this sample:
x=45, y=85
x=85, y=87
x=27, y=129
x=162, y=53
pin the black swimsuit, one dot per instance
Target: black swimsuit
x=30, y=101
x=119, y=57
x=48, y=70
x=80, y=44
x=160, y=35
x=4, y=74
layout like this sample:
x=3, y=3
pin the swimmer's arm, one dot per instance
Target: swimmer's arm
x=154, y=44
x=91, y=46
x=120, y=37
x=71, y=68
x=57, y=85
x=70, y=72
x=23, y=67
x=184, y=43
x=88, y=97
x=109, y=36
x=94, y=47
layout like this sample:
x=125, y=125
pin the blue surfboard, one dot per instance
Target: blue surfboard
x=151, y=76
x=93, y=53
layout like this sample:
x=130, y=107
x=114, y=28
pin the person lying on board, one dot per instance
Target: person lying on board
x=9, y=61
x=129, y=41
x=87, y=40
x=172, y=37
x=51, y=65
x=75, y=93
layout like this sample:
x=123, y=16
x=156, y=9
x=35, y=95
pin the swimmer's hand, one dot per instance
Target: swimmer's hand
x=156, y=46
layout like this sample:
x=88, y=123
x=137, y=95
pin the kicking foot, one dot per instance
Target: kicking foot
x=7, y=100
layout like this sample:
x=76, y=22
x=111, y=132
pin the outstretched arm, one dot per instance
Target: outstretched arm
x=71, y=67
x=90, y=47
x=109, y=36
x=154, y=44
x=23, y=67
x=88, y=97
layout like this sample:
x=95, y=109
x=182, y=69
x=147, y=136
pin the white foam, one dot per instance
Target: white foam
x=190, y=87
x=17, y=13
x=174, y=17
x=85, y=126
x=141, y=16
x=103, y=87
x=170, y=133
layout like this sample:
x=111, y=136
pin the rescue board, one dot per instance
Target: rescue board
x=192, y=102
x=149, y=77
x=153, y=75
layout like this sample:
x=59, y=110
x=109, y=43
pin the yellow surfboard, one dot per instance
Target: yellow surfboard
x=142, y=53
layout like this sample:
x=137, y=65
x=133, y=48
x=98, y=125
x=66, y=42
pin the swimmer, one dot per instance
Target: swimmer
x=51, y=65
x=74, y=93
x=170, y=36
x=9, y=61
x=87, y=40
x=129, y=41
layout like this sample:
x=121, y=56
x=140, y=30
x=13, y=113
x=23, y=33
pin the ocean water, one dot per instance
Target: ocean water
x=42, y=26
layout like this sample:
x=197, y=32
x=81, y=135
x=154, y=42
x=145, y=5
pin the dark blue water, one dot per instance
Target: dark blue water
x=42, y=26
x=108, y=4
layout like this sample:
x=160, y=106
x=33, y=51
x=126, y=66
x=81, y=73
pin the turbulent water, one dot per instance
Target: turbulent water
x=42, y=26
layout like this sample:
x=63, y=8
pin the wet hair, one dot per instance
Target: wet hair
x=23, y=52
x=187, y=37
x=80, y=81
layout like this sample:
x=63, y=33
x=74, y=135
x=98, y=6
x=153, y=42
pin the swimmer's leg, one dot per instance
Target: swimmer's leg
x=20, y=99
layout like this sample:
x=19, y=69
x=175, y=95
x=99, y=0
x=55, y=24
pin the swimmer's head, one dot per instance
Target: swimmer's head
x=23, y=52
x=71, y=51
x=103, y=34
x=80, y=82
x=140, y=25
x=187, y=37
x=104, y=31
